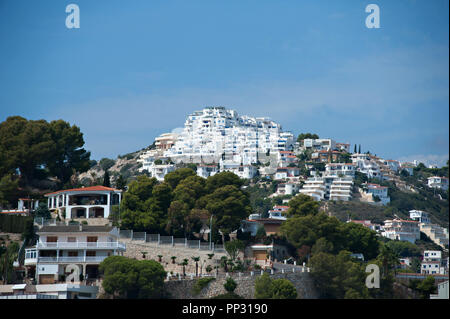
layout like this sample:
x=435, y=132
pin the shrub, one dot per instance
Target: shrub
x=200, y=284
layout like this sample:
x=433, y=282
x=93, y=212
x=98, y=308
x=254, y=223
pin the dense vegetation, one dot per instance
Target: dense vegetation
x=180, y=204
x=31, y=152
x=132, y=279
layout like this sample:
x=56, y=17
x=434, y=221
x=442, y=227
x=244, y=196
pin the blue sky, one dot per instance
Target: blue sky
x=136, y=69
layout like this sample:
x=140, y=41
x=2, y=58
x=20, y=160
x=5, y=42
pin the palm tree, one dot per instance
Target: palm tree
x=173, y=259
x=184, y=264
x=196, y=259
x=143, y=254
x=160, y=258
x=210, y=256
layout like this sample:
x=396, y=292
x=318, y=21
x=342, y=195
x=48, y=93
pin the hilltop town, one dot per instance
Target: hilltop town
x=232, y=206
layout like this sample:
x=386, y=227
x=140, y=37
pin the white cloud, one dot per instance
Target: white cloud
x=430, y=159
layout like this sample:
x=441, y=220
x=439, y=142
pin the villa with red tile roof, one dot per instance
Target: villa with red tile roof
x=85, y=202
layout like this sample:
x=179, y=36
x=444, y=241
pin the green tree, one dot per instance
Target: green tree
x=175, y=177
x=176, y=218
x=9, y=189
x=223, y=179
x=283, y=289
x=106, y=163
x=42, y=211
x=230, y=285
x=130, y=278
x=233, y=248
x=121, y=183
x=106, y=179
x=262, y=287
x=302, y=205
x=229, y=205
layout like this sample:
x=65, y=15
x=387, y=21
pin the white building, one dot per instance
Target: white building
x=321, y=144
x=205, y=171
x=366, y=165
x=284, y=173
x=340, y=169
x=442, y=291
x=377, y=190
x=80, y=246
x=328, y=188
x=341, y=189
x=288, y=188
x=85, y=202
x=397, y=229
x=216, y=133
x=420, y=216
x=314, y=187
x=54, y=291
x=438, y=234
x=438, y=182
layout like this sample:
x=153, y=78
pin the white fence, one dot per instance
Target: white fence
x=157, y=239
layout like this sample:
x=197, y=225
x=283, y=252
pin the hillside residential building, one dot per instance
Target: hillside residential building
x=438, y=182
x=286, y=173
x=53, y=291
x=431, y=267
x=60, y=246
x=288, y=188
x=243, y=171
x=271, y=225
x=344, y=147
x=377, y=191
x=85, y=202
x=325, y=144
x=340, y=169
x=325, y=156
x=408, y=167
x=205, y=171
x=341, y=189
x=438, y=234
x=398, y=229
x=314, y=187
x=367, y=223
x=420, y=216
x=216, y=133
x=442, y=291
x=366, y=165
x=393, y=165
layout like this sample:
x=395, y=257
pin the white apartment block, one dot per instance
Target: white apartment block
x=314, y=187
x=438, y=182
x=340, y=169
x=216, y=133
x=243, y=171
x=377, y=190
x=438, y=234
x=328, y=188
x=420, y=216
x=397, y=229
x=288, y=188
x=205, y=171
x=284, y=173
x=85, y=202
x=432, y=255
x=366, y=165
x=345, y=147
x=61, y=247
x=321, y=144
x=393, y=165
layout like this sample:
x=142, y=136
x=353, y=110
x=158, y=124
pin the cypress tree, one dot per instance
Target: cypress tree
x=359, y=149
x=106, y=181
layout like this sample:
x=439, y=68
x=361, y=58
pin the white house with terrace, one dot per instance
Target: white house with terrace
x=438, y=182
x=85, y=202
x=83, y=246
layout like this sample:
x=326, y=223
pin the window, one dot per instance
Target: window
x=71, y=239
x=90, y=254
x=92, y=239
x=52, y=239
x=72, y=253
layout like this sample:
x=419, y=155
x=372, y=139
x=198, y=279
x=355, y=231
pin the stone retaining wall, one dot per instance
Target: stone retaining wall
x=135, y=248
x=182, y=289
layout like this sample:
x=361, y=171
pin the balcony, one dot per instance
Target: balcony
x=88, y=259
x=81, y=245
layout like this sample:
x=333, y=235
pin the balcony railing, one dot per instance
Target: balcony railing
x=81, y=245
x=94, y=259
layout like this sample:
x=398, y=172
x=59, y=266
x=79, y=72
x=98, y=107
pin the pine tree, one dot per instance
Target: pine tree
x=106, y=181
